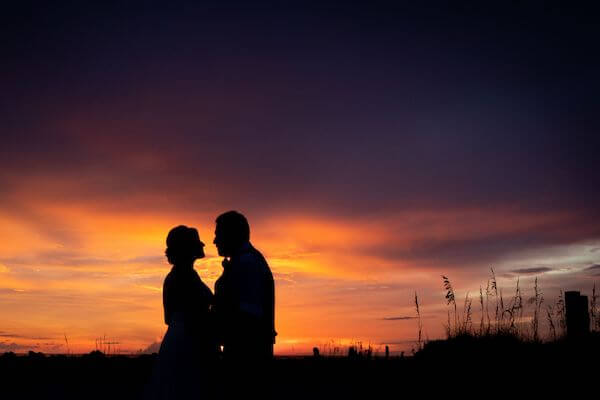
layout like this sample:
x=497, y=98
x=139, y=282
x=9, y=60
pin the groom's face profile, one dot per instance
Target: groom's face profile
x=221, y=241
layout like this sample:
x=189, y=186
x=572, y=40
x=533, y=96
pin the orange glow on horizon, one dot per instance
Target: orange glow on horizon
x=88, y=272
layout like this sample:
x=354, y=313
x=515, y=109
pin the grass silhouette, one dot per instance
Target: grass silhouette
x=509, y=315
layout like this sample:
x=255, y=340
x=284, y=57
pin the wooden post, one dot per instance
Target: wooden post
x=578, y=316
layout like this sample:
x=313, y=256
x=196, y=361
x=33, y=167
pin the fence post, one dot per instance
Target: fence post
x=578, y=316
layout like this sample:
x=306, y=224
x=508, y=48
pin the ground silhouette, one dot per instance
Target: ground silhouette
x=459, y=366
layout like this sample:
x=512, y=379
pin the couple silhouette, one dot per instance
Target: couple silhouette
x=235, y=324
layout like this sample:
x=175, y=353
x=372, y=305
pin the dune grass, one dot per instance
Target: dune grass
x=511, y=317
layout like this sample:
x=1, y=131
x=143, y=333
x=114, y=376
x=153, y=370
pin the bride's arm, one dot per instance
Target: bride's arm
x=166, y=303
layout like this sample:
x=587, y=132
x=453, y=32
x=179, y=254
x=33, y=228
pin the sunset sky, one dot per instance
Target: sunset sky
x=371, y=149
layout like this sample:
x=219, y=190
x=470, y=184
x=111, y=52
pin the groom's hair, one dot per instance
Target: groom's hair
x=235, y=224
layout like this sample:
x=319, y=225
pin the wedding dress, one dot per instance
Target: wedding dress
x=188, y=347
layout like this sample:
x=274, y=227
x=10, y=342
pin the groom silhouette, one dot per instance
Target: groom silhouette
x=244, y=302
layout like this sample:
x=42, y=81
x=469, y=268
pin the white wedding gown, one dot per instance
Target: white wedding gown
x=178, y=367
x=185, y=351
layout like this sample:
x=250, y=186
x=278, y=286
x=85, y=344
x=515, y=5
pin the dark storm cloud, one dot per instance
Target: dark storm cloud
x=331, y=110
x=593, y=268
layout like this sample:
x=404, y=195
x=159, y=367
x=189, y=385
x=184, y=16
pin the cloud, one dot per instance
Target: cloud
x=12, y=291
x=76, y=258
x=284, y=279
x=6, y=346
x=531, y=271
x=594, y=267
x=18, y=336
x=425, y=239
x=402, y=318
x=146, y=260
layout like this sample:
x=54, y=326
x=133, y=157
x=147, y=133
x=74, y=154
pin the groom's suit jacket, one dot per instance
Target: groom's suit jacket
x=245, y=304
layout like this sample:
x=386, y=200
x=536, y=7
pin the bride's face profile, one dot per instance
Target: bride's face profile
x=201, y=249
x=197, y=244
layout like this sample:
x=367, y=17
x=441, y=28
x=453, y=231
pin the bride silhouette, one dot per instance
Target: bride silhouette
x=188, y=346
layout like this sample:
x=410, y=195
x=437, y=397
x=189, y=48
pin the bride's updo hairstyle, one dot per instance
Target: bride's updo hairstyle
x=183, y=245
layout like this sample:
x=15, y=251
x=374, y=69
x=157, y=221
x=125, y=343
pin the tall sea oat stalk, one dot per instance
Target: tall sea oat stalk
x=481, y=324
x=516, y=309
x=537, y=301
x=561, y=313
x=594, y=310
x=550, y=318
x=450, y=298
x=500, y=325
x=419, y=320
x=488, y=293
x=466, y=323
x=67, y=342
x=494, y=285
